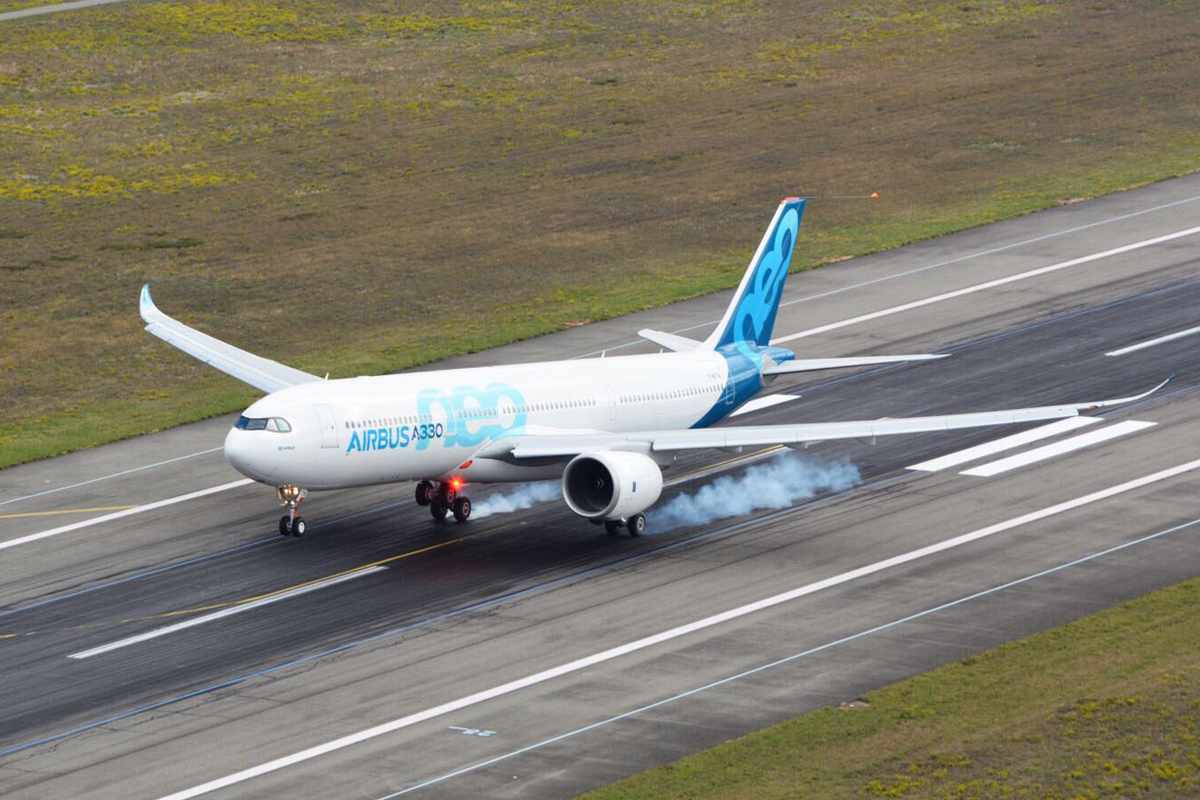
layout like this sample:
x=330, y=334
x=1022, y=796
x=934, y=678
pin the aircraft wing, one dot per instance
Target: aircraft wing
x=261, y=373
x=567, y=444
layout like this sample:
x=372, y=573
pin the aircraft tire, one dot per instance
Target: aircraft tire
x=612, y=526
x=285, y=527
x=424, y=493
x=636, y=525
x=462, y=509
x=299, y=527
x=437, y=510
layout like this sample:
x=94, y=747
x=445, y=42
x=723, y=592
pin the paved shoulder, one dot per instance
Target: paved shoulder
x=55, y=8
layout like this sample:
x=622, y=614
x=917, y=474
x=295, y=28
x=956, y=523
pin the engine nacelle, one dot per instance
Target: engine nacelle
x=611, y=484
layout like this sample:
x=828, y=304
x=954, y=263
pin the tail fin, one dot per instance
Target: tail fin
x=751, y=314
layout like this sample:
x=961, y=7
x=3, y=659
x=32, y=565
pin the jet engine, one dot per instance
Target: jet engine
x=611, y=484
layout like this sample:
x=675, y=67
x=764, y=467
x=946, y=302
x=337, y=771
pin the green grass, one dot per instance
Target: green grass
x=1107, y=706
x=353, y=190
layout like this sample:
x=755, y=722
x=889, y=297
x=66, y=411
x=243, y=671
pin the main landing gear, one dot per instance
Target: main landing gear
x=636, y=525
x=291, y=523
x=442, y=499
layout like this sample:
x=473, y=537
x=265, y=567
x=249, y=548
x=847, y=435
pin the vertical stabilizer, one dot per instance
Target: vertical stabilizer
x=751, y=314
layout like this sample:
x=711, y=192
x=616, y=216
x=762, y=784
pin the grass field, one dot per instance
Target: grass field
x=1105, y=707
x=355, y=189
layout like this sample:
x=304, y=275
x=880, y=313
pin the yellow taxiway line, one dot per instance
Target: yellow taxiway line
x=751, y=456
x=63, y=511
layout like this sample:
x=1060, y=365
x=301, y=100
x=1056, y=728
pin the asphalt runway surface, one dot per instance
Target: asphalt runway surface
x=161, y=640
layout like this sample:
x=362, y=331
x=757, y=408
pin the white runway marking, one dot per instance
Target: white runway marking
x=129, y=512
x=1058, y=448
x=223, y=613
x=759, y=403
x=667, y=635
x=1006, y=443
x=1160, y=340
x=927, y=267
x=106, y=477
x=785, y=660
x=979, y=287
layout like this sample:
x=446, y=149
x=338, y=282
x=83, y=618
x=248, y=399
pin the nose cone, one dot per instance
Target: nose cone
x=248, y=454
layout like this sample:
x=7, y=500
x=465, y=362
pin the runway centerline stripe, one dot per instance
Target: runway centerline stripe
x=107, y=477
x=766, y=401
x=992, y=284
x=1170, y=337
x=129, y=512
x=1058, y=448
x=228, y=612
x=668, y=635
x=918, y=270
x=1004, y=443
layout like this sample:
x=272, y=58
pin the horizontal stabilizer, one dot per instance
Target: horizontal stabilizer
x=814, y=364
x=669, y=340
x=261, y=373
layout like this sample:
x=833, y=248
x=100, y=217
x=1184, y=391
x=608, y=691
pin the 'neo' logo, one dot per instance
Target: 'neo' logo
x=473, y=415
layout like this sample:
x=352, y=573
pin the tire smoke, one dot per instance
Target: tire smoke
x=517, y=499
x=778, y=483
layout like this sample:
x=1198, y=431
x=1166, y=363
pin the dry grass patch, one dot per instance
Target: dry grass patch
x=357, y=189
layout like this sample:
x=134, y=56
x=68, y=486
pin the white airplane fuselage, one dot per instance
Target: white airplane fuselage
x=429, y=425
x=606, y=426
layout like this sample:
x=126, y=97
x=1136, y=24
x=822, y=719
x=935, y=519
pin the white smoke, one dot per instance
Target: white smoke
x=778, y=483
x=517, y=499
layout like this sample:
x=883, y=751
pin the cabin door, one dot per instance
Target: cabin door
x=329, y=426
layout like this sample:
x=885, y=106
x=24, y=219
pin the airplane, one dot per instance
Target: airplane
x=606, y=428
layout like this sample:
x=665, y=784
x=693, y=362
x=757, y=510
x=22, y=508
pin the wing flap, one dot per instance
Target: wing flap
x=261, y=373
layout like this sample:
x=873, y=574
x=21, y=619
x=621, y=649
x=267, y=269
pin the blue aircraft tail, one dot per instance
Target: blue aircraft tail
x=751, y=314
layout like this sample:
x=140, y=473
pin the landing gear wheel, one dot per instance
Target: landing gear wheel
x=636, y=525
x=437, y=510
x=299, y=527
x=462, y=508
x=424, y=493
x=612, y=526
x=285, y=527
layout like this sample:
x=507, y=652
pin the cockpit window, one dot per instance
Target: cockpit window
x=277, y=424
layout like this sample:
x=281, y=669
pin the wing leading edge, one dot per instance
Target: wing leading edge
x=542, y=446
x=261, y=373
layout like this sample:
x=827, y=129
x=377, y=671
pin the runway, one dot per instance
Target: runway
x=161, y=640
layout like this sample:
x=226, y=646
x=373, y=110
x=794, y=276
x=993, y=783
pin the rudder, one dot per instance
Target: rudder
x=750, y=316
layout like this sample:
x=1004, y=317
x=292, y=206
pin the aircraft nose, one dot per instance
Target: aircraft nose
x=244, y=451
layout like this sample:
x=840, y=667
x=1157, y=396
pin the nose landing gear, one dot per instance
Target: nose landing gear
x=443, y=499
x=291, y=523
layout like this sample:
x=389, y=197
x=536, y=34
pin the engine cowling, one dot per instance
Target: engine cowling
x=611, y=484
